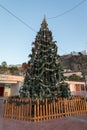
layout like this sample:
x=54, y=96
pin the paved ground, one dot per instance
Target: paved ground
x=66, y=123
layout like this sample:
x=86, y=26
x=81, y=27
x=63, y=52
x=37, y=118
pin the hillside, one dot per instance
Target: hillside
x=70, y=63
x=74, y=63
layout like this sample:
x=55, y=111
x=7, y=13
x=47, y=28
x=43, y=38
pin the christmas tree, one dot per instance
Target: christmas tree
x=44, y=76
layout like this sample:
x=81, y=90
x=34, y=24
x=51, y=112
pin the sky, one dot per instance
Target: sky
x=20, y=20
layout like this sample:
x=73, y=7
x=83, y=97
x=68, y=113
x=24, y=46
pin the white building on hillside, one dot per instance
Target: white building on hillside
x=84, y=52
x=10, y=85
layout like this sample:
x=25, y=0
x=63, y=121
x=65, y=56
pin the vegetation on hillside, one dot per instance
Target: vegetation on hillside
x=74, y=63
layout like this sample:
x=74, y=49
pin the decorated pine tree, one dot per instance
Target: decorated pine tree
x=44, y=75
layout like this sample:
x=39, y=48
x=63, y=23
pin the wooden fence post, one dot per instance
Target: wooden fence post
x=46, y=108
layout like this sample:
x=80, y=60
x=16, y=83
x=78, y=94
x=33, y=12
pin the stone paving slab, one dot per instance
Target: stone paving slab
x=66, y=123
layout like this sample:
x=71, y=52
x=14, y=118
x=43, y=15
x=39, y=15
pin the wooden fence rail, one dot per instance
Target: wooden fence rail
x=43, y=109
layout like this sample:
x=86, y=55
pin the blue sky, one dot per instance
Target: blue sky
x=69, y=30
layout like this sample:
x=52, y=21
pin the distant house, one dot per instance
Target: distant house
x=77, y=88
x=10, y=85
x=67, y=74
x=84, y=52
x=74, y=53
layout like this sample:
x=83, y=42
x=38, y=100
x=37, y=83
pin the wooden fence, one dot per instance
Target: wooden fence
x=43, y=109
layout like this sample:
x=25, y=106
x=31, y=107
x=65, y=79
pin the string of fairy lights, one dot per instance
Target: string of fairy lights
x=49, y=18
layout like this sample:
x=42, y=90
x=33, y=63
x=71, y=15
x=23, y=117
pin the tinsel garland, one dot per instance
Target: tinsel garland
x=46, y=63
x=40, y=74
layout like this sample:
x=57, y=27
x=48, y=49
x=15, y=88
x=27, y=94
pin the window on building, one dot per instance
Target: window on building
x=82, y=87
